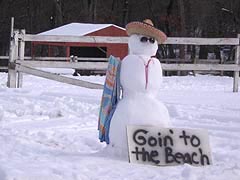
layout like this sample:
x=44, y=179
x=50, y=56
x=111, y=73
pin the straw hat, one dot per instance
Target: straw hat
x=146, y=28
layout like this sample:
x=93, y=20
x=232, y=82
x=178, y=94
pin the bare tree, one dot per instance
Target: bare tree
x=125, y=12
x=92, y=10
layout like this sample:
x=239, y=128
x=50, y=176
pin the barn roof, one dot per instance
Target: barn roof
x=78, y=29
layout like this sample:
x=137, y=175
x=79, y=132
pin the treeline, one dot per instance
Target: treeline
x=177, y=18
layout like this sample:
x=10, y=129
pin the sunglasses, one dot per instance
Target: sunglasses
x=145, y=39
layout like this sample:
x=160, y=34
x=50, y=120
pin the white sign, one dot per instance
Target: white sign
x=168, y=146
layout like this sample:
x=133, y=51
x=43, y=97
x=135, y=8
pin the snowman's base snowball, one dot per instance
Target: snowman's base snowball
x=135, y=110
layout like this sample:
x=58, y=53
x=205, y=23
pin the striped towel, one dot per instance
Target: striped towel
x=110, y=98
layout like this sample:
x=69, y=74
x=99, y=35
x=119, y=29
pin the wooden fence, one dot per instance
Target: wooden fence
x=19, y=64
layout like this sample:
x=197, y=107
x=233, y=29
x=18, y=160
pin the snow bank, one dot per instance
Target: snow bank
x=49, y=130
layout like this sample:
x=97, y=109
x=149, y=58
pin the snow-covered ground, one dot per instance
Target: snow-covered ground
x=48, y=130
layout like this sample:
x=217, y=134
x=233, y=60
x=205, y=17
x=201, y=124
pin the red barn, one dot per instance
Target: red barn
x=86, y=49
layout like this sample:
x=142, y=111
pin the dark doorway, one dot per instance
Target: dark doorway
x=97, y=52
x=88, y=52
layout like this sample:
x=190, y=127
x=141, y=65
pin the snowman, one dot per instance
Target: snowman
x=140, y=78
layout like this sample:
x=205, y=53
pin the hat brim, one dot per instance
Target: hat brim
x=147, y=30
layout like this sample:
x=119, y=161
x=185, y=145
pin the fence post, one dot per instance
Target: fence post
x=13, y=53
x=236, y=73
x=21, y=56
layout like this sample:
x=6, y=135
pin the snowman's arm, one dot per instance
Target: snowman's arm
x=125, y=67
x=126, y=62
x=132, y=74
x=157, y=61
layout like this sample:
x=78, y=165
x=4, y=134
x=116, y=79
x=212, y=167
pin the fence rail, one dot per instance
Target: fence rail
x=73, y=65
x=201, y=67
x=59, y=58
x=19, y=63
x=124, y=40
x=55, y=77
x=4, y=57
x=103, y=66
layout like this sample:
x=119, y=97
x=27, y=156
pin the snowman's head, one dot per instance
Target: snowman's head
x=142, y=45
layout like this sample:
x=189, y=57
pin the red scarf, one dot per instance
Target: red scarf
x=146, y=72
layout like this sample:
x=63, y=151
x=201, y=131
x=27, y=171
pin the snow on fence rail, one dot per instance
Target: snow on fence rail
x=19, y=64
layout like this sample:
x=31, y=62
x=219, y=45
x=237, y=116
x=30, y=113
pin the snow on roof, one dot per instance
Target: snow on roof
x=77, y=29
